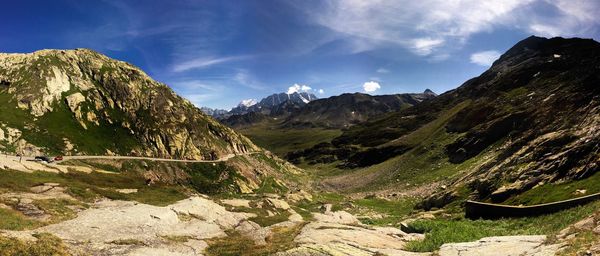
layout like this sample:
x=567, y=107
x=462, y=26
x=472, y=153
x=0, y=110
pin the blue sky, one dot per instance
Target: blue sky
x=217, y=53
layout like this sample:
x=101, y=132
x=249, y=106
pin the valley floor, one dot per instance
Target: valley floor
x=79, y=211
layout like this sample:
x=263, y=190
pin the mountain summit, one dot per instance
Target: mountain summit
x=82, y=102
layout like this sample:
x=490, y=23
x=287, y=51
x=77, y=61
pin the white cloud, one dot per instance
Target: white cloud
x=420, y=26
x=201, y=63
x=382, y=71
x=436, y=28
x=573, y=18
x=425, y=46
x=298, y=88
x=485, y=58
x=371, y=86
x=321, y=91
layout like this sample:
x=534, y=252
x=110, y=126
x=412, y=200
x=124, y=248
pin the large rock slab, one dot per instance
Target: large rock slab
x=501, y=246
x=131, y=228
x=340, y=217
x=328, y=238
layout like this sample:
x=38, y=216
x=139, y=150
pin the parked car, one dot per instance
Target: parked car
x=43, y=159
x=58, y=158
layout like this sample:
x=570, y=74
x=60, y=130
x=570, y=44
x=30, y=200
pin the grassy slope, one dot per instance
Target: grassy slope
x=557, y=192
x=425, y=163
x=442, y=231
x=59, y=124
x=283, y=140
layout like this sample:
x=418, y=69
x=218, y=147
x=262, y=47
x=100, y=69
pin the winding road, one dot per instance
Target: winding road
x=65, y=158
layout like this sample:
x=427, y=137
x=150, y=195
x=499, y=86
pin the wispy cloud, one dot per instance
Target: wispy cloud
x=572, y=18
x=195, y=85
x=435, y=28
x=485, y=58
x=245, y=78
x=425, y=46
x=199, y=99
x=201, y=63
x=382, y=71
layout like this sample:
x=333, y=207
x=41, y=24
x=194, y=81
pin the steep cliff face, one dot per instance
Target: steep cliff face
x=82, y=102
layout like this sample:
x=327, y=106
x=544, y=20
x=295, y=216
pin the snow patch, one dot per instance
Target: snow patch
x=248, y=102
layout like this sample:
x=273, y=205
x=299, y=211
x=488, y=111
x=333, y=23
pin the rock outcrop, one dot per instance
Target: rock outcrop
x=104, y=104
x=130, y=228
x=501, y=245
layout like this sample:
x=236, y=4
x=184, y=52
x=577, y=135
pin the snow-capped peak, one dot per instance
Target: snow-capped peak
x=248, y=102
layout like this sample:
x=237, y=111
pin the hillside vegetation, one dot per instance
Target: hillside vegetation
x=82, y=102
x=531, y=119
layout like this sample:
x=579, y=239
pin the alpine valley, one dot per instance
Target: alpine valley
x=100, y=159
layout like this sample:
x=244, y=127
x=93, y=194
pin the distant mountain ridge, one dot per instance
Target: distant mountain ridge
x=352, y=108
x=273, y=104
x=335, y=112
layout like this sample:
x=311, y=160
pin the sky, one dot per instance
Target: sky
x=218, y=53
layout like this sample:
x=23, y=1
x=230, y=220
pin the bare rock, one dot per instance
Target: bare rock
x=254, y=231
x=321, y=238
x=339, y=217
x=29, y=209
x=501, y=246
x=40, y=189
x=97, y=228
x=277, y=203
x=236, y=202
x=299, y=196
x=74, y=100
x=294, y=216
x=585, y=224
x=127, y=190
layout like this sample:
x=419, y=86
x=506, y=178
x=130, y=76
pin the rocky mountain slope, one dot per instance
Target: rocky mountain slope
x=348, y=109
x=531, y=119
x=82, y=102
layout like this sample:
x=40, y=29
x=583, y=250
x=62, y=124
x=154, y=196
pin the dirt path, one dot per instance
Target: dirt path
x=222, y=159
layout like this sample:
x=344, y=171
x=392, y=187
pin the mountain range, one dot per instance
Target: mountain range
x=275, y=104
